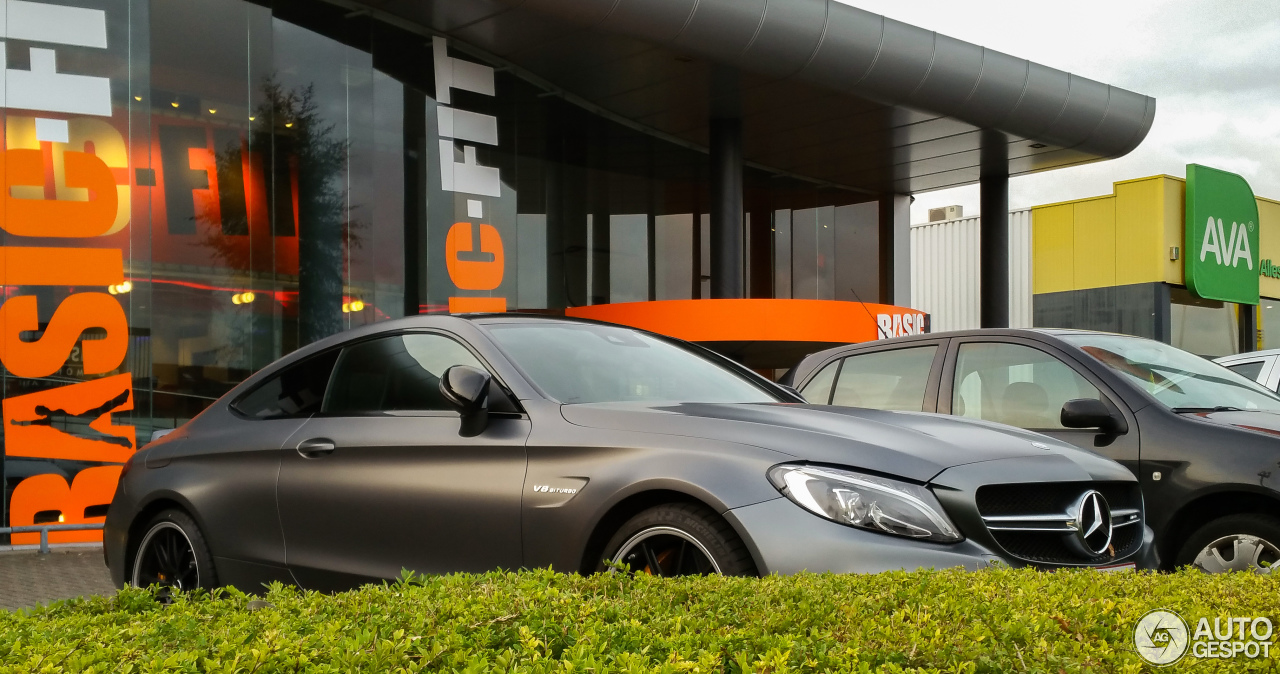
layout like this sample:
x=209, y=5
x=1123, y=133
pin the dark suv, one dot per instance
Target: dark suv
x=1203, y=440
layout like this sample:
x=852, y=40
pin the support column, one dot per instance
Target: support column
x=895, y=249
x=994, y=230
x=726, y=208
x=1248, y=319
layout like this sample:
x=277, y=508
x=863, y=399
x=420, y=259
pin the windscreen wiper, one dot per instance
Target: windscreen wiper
x=1219, y=408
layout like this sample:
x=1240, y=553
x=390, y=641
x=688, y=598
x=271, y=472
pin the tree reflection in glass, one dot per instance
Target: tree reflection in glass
x=296, y=163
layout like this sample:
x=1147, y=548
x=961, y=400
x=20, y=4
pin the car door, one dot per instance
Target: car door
x=381, y=480
x=1024, y=383
x=228, y=470
x=890, y=377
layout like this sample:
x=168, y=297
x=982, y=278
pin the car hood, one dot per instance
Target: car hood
x=914, y=445
x=1260, y=422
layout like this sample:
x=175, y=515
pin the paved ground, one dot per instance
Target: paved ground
x=28, y=578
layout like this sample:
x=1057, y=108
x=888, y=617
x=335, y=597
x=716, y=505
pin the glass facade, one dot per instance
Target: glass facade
x=198, y=187
x=1204, y=327
x=1269, y=323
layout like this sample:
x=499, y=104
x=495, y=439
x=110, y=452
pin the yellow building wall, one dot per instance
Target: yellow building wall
x=1053, y=248
x=1269, y=243
x=1127, y=237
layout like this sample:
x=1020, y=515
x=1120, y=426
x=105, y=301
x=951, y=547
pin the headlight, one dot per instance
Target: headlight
x=866, y=501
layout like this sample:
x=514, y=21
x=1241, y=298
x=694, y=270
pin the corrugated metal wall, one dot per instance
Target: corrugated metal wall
x=944, y=272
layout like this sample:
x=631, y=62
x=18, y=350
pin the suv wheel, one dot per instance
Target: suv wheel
x=173, y=554
x=679, y=539
x=1234, y=543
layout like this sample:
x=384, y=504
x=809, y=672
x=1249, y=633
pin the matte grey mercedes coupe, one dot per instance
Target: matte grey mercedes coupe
x=469, y=443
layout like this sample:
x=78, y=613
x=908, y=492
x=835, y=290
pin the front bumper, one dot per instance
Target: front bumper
x=785, y=538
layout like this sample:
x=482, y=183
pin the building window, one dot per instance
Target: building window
x=1204, y=327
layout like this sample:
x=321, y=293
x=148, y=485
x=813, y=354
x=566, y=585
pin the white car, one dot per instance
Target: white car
x=1260, y=366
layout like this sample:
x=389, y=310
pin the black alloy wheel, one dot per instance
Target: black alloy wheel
x=678, y=539
x=172, y=554
x=664, y=551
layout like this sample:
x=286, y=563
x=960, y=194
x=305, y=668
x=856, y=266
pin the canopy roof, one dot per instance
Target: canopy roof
x=824, y=90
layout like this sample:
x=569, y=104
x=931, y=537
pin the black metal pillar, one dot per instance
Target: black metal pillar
x=994, y=229
x=726, y=208
x=1248, y=319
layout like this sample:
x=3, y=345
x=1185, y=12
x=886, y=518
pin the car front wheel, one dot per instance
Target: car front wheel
x=1245, y=542
x=678, y=539
x=173, y=554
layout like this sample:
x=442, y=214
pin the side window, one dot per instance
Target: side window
x=885, y=380
x=1016, y=385
x=295, y=392
x=398, y=373
x=1249, y=370
x=818, y=390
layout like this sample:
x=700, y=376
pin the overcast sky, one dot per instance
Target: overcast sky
x=1213, y=67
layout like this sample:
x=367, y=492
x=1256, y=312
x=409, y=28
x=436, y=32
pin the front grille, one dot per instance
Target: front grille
x=1052, y=497
x=1034, y=522
x=1050, y=548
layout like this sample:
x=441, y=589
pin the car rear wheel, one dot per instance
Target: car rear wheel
x=173, y=554
x=1234, y=543
x=678, y=539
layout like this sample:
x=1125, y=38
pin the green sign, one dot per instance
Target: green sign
x=1221, y=236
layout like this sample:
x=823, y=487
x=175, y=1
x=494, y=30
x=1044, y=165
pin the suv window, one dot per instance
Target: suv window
x=295, y=392
x=885, y=380
x=1249, y=369
x=818, y=390
x=397, y=373
x=1016, y=385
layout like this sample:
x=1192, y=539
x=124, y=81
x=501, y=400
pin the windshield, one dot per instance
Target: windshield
x=597, y=363
x=1178, y=380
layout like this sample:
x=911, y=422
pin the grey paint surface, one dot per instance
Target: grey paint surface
x=827, y=90
x=405, y=490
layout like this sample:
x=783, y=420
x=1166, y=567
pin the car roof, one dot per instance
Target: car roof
x=976, y=332
x=1248, y=355
x=809, y=363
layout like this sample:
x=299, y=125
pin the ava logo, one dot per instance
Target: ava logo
x=1161, y=637
x=1229, y=251
x=1221, y=236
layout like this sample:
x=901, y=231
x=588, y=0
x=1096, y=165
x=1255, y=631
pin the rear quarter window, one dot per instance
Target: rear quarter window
x=297, y=391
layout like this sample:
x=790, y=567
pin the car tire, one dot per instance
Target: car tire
x=1245, y=542
x=172, y=553
x=678, y=539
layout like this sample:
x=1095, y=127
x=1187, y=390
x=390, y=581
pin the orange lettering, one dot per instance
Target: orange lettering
x=32, y=421
x=474, y=274
x=61, y=266
x=47, y=217
x=77, y=313
x=83, y=502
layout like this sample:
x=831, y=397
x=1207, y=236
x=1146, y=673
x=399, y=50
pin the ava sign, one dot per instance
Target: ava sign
x=1221, y=236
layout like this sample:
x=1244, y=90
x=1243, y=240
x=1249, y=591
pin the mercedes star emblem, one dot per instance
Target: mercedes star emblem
x=1091, y=524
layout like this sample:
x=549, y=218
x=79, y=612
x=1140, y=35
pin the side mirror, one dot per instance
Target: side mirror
x=1092, y=413
x=467, y=390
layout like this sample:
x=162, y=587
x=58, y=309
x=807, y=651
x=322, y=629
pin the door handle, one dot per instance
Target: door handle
x=316, y=448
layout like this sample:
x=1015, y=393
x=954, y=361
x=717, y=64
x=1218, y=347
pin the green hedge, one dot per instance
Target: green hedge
x=992, y=621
